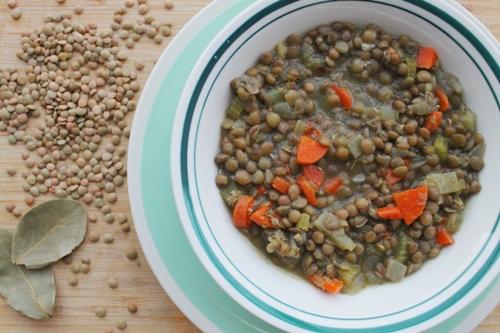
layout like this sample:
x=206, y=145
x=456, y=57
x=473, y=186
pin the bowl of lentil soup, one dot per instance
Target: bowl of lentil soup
x=354, y=161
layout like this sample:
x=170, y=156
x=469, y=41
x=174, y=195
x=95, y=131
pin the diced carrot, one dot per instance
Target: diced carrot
x=261, y=218
x=331, y=285
x=444, y=237
x=444, y=103
x=281, y=184
x=332, y=185
x=307, y=189
x=312, y=131
x=433, y=121
x=314, y=174
x=411, y=203
x=261, y=190
x=391, y=213
x=309, y=151
x=241, y=213
x=426, y=58
x=390, y=177
x=344, y=96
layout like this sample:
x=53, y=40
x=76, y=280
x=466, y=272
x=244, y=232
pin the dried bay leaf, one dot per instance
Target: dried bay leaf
x=48, y=232
x=31, y=292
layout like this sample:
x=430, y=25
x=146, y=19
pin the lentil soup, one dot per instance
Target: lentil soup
x=347, y=155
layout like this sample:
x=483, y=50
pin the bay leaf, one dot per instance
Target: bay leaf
x=31, y=292
x=48, y=232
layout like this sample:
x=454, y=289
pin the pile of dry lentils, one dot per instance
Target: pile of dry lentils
x=78, y=90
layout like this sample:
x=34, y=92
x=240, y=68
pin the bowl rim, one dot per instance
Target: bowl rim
x=183, y=179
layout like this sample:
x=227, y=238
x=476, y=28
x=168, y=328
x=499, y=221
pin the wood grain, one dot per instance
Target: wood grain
x=136, y=282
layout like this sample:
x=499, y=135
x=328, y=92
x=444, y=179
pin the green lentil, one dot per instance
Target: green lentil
x=73, y=281
x=131, y=254
x=108, y=238
x=112, y=283
x=100, y=312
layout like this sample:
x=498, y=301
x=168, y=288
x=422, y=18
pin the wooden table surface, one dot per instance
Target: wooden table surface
x=74, y=309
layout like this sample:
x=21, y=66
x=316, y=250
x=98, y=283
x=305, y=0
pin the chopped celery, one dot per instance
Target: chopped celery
x=315, y=64
x=371, y=278
x=468, y=119
x=446, y=182
x=306, y=52
x=274, y=96
x=300, y=127
x=372, y=251
x=231, y=192
x=411, y=62
x=401, y=253
x=453, y=222
x=441, y=148
x=303, y=222
x=388, y=113
x=369, y=263
x=285, y=110
x=395, y=270
x=443, y=81
x=351, y=276
x=337, y=236
x=354, y=145
x=235, y=108
x=281, y=50
x=455, y=85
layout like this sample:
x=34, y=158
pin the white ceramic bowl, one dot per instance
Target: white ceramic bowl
x=444, y=285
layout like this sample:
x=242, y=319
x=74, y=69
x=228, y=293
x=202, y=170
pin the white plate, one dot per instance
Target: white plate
x=164, y=242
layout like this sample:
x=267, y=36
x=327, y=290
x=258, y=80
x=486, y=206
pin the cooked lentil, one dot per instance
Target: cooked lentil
x=359, y=94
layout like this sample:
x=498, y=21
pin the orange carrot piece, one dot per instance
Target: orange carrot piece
x=261, y=190
x=411, y=203
x=444, y=103
x=241, y=213
x=344, y=96
x=332, y=185
x=444, y=237
x=314, y=174
x=309, y=151
x=308, y=190
x=281, y=184
x=426, y=58
x=390, y=213
x=433, y=121
x=390, y=177
x=261, y=218
x=331, y=285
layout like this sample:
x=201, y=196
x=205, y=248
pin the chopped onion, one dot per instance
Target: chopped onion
x=395, y=271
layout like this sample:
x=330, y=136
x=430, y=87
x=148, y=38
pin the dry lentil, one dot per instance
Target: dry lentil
x=84, y=268
x=169, y=4
x=131, y=254
x=73, y=281
x=16, y=13
x=75, y=268
x=143, y=9
x=121, y=324
x=112, y=283
x=94, y=236
x=100, y=312
x=108, y=238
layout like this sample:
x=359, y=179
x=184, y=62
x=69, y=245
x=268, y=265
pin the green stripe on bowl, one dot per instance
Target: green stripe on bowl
x=158, y=199
x=278, y=314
